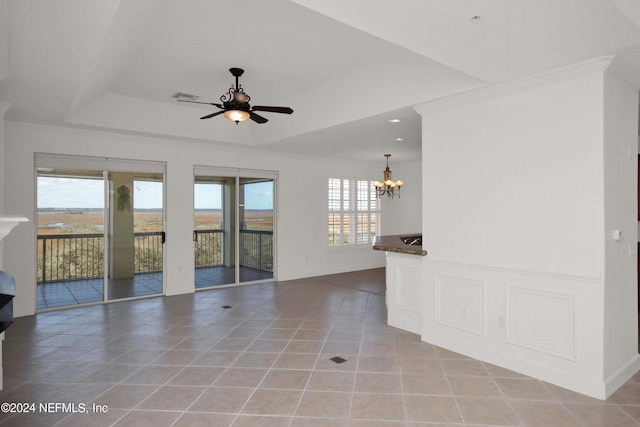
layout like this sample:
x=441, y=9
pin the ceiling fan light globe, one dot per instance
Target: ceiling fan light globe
x=236, y=115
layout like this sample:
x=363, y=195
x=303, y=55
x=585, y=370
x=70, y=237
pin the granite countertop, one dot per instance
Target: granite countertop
x=394, y=243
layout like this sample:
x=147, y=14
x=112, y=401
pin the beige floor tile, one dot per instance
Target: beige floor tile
x=378, y=364
x=374, y=382
x=287, y=379
x=632, y=410
x=172, y=398
x=324, y=404
x=499, y=372
x=377, y=406
x=260, y=421
x=311, y=335
x=600, y=415
x=495, y=412
x=153, y=374
x=148, y=419
x=304, y=347
x=222, y=399
x=272, y=402
x=125, y=396
x=231, y=344
x=379, y=349
x=176, y=357
x=331, y=381
x=138, y=356
x=372, y=423
x=296, y=361
x=467, y=367
x=341, y=348
x=241, y=377
x=474, y=387
x=109, y=373
x=421, y=366
x=197, y=375
x=432, y=409
x=255, y=360
x=92, y=419
x=629, y=393
x=425, y=384
x=194, y=419
x=524, y=388
x=216, y=358
x=268, y=345
x=278, y=334
x=542, y=414
x=319, y=422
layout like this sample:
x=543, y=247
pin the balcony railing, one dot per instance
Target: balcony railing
x=65, y=257
x=256, y=249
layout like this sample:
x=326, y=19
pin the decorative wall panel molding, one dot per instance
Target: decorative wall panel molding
x=408, y=288
x=460, y=303
x=510, y=270
x=541, y=321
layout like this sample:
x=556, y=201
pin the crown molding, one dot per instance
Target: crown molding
x=599, y=65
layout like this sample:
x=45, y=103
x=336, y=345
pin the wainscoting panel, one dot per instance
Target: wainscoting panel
x=541, y=321
x=408, y=294
x=460, y=303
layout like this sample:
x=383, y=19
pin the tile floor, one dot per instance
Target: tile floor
x=265, y=361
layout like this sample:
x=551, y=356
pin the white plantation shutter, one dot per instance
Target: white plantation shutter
x=353, y=212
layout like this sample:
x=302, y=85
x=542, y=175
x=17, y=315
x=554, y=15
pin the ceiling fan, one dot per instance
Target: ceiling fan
x=235, y=104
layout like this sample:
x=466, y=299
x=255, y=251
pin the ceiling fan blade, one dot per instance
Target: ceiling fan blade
x=257, y=118
x=199, y=102
x=208, y=116
x=283, y=110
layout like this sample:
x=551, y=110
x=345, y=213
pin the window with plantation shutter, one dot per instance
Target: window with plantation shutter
x=354, y=212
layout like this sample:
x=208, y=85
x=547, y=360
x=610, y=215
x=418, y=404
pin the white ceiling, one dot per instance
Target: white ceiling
x=345, y=66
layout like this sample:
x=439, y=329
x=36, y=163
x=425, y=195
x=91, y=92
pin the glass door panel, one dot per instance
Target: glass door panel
x=70, y=237
x=214, y=236
x=136, y=236
x=255, y=213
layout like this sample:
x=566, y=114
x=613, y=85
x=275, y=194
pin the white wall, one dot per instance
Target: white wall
x=404, y=214
x=302, y=249
x=620, y=171
x=516, y=223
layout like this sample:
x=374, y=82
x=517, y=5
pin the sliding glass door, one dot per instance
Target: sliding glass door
x=234, y=225
x=214, y=219
x=255, y=212
x=70, y=237
x=136, y=236
x=100, y=230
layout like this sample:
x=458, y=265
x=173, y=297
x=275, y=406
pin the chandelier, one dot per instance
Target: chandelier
x=388, y=186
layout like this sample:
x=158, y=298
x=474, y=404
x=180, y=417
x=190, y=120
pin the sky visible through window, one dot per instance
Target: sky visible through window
x=88, y=193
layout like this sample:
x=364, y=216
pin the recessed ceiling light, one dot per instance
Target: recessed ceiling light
x=398, y=139
x=394, y=121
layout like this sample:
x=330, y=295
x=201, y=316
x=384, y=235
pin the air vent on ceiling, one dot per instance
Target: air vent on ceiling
x=182, y=95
